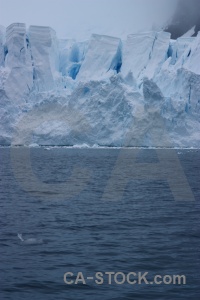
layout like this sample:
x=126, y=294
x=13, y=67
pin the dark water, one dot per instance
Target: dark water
x=145, y=230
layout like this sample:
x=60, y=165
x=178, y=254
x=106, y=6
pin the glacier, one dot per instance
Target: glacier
x=140, y=92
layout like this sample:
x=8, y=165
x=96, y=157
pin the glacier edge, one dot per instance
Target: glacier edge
x=142, y=92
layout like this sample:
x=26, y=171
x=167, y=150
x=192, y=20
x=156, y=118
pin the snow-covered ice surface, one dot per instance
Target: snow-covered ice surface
x=105, y=92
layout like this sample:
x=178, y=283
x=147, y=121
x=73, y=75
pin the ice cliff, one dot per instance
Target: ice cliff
x=144, y=91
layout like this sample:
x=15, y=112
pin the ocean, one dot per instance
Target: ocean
x=86, y=213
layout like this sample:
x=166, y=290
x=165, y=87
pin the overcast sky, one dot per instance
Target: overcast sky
x=79, y=18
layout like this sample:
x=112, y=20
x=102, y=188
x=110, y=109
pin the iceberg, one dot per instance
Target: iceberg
x=141, y=92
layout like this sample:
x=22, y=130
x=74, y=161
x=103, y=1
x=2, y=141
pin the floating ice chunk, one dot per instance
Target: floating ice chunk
x=82, y=146
x=34, y=145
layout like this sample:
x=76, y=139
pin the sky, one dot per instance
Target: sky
x=80, y=18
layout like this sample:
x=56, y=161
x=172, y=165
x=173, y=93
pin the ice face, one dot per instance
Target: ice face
x=136, y=53
x=65, y=49
x=2, y=37
x=178, y=48
x=144, y=54
x=18, y=61
x=179, y=78
x=45, y=56
x=193, y=57
x=102, y=59
x=72, y=54
x=144, y=91
x=158, y=54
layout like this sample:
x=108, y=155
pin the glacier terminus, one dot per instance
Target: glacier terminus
x=141, y=92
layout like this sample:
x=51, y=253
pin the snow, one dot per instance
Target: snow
x=142, y=92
